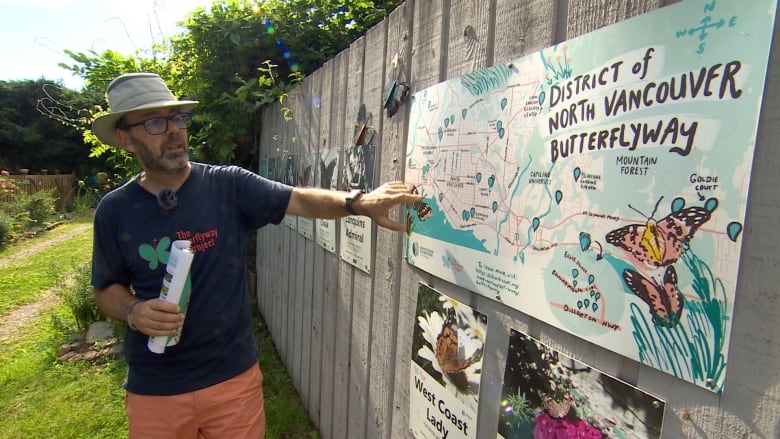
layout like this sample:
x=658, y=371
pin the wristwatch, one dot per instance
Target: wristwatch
x=353, y=195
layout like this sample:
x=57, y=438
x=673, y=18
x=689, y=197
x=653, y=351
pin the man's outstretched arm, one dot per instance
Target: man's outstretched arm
x=323, y=203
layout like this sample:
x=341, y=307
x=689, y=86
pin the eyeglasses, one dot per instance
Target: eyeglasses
x=159, y=125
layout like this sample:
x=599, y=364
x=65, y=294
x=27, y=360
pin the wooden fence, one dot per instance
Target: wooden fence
x=346, y=336
x=60, y=184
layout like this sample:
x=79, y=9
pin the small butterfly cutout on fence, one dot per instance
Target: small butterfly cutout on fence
x=658, y=243
x=448, y=353
x=423, y=210
x=665, y=301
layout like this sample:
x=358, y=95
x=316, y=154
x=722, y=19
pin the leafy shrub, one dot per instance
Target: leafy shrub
x=86, y=196
x=80, y=300
x=39, y=206
x=6, y=227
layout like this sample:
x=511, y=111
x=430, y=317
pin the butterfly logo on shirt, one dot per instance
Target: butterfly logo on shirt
x=659, y=243
x=664, y=299
x=450, y=355
x=155, y=255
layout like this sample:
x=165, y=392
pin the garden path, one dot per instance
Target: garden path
x=17, y=317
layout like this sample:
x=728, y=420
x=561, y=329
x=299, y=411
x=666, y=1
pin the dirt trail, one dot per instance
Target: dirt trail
x=15, y=318
x=31, y=250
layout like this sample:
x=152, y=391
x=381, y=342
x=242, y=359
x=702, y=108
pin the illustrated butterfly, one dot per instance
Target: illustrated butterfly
x=449, y=356
x=657, y=243
x=554, y=408
x=665, y=301
x=424, y=211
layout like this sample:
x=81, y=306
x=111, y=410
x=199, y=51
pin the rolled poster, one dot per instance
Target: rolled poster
x=175, y=288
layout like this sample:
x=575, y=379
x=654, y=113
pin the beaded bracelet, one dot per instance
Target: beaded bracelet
x=129, y=315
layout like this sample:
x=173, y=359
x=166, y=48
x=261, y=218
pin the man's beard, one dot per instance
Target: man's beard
x=161, y=163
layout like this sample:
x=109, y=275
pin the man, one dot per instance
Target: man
x=209, y=383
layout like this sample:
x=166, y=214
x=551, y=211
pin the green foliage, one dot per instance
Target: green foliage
x=79, y=299
x=6, y=227
x=29, y=139
x=519, y=414
x=39, y=206
x=235, y=58
x=28, y=212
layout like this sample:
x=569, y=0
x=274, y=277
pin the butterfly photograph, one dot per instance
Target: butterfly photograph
x=449, y=341
x=660, y=243
x=549, y=394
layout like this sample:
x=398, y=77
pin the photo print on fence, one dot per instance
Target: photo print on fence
x=548, y=394
x=446, y=368
x=358, y=173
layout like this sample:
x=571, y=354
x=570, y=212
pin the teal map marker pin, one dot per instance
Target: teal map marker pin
x=733, y=230
x=584, y=241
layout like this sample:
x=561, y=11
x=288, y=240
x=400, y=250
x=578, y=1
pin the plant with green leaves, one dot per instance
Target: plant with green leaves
x=78, y=296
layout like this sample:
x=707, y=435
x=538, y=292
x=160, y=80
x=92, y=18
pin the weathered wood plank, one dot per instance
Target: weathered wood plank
x=343, y=406
x=521, y=29
x=387, y=267
x=332, y=133
x=364, y=291
x=362, y=282
x=263, y=246
x=317, y=259
x=308, y=145
x=299, y=132
x=470, y=39
x=429, y=36
x=426, y=68
x=585, y=16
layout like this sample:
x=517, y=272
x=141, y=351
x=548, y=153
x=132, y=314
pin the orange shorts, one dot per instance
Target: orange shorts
x=232, y=409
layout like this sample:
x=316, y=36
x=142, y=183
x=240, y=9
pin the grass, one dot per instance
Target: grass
x=286, y=417
x=10, y=249
x=42, y=398
x=25, y=279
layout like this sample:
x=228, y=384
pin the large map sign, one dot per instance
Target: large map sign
x=600, y=185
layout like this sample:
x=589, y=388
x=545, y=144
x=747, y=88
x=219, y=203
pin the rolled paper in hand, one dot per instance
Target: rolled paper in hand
x=176, y=288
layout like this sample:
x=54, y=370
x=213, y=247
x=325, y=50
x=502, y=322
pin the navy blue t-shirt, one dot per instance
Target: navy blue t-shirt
x=217, y=207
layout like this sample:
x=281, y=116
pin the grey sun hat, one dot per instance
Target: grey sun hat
x=133, y=92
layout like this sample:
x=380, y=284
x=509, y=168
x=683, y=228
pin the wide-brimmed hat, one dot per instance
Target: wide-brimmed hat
x=133, y=92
